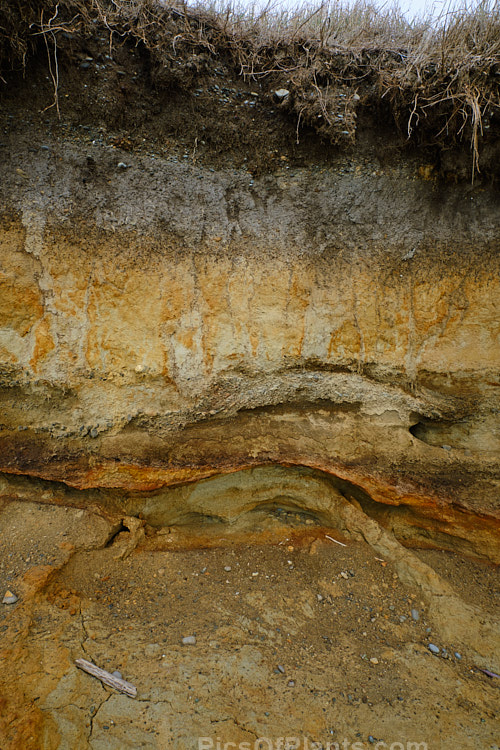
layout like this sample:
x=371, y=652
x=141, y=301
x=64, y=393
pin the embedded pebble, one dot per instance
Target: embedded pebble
x=415, y=615
x=319, y=597
x=457, y=655
x=344, y=574
x=117, y=674
x=374, y=660
x=9, y=598
x=227, y=568
x=434, y=649
x=189, y=640
x=281, y=669
x=291, y=683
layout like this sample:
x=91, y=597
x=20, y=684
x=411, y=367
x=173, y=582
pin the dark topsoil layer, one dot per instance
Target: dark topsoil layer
x=182, y=84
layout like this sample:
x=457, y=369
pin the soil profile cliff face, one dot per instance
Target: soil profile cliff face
x=173, y=310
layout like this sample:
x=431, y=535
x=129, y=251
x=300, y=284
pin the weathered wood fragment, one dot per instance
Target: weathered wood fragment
x=115, y=682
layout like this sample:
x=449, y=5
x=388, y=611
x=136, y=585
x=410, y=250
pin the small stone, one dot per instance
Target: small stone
x=319, y=597
x=9, y=598
x=227, y=568
x=402, y=618
x=374, y=660
x=457, y=655
x=122, y=165
x=371, y=739
x=281, y=94
x=85, y=65
x=189, y=640
x=152, y=649
x=291, y=683
x=415, y=615
x=94, y=432
x=344, y=574
x=446, y=447
x=117, y=674
x=434, y=649
x=281, y=669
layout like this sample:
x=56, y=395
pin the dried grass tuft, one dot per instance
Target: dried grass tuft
x=438, y=78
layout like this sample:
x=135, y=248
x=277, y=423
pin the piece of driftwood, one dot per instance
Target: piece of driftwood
x=335, y=540
x=115, y=682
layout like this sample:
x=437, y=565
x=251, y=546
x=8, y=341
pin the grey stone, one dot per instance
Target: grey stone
x=434, y=649
x=117, y=674
x=9, y=598
x=281, y=94
x=457, y=655
x=415, y=615
x=189, y=640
